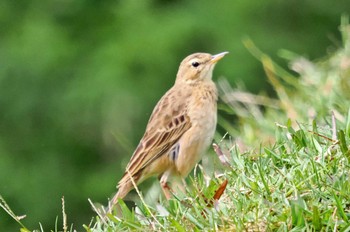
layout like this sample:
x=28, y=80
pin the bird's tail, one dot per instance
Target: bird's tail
x=123, y=190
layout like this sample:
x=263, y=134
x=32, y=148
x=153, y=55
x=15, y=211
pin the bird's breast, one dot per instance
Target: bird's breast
x=203, y=115
x=202, y=111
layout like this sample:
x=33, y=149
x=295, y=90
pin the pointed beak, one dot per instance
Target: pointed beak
x=217, y=57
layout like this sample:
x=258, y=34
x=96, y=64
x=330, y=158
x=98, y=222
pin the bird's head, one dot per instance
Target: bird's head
x=198, y=67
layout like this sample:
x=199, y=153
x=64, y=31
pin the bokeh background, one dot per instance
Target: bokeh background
x=79, y=79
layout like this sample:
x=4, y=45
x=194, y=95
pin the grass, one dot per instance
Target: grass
x=288, y=158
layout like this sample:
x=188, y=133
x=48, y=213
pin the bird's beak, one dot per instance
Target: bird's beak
x=217, y=57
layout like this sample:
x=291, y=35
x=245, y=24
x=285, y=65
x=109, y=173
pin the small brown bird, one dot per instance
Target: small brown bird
x=180, y=128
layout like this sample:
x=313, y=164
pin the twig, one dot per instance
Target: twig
x=7, y=209
x=99, y=213
x=221, y=155
x=325, y=137
x=142, y=200
x=64, y=216
x=334, y=127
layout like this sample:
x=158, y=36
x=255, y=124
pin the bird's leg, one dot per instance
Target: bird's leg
x=164, y=184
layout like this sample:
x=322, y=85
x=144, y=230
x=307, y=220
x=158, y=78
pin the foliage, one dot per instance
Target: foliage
x=78, y=80
x=299, y=183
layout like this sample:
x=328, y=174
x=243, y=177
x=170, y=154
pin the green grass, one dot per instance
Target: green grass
x=288, y=158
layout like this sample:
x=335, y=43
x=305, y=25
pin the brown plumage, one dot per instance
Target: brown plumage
x=180, y=129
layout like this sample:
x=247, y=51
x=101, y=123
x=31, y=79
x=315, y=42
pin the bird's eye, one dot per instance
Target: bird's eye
x=195, y=64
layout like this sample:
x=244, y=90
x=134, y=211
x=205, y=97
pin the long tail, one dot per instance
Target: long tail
x=123, y=190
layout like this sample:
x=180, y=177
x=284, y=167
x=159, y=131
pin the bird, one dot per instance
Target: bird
x=180, y=128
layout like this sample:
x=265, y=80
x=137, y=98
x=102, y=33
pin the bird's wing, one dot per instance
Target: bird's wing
x=168, y=122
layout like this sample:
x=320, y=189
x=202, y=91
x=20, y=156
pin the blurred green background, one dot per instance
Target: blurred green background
x=79, y=79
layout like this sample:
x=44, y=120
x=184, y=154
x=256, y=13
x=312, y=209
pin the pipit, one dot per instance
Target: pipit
x=180, y=129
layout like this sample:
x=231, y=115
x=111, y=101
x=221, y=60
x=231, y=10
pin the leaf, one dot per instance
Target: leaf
x=316, y=220
x=342, y=142
x=347, y=128
x=177, y=225
x=340, y=207
x=317, y=145
x=220, y=190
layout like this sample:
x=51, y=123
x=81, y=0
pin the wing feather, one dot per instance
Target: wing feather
x=168, y=122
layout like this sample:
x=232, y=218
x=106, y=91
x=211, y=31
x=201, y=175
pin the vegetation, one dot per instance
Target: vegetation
x=78, y=80
x=298, y=181
x=288, y=159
